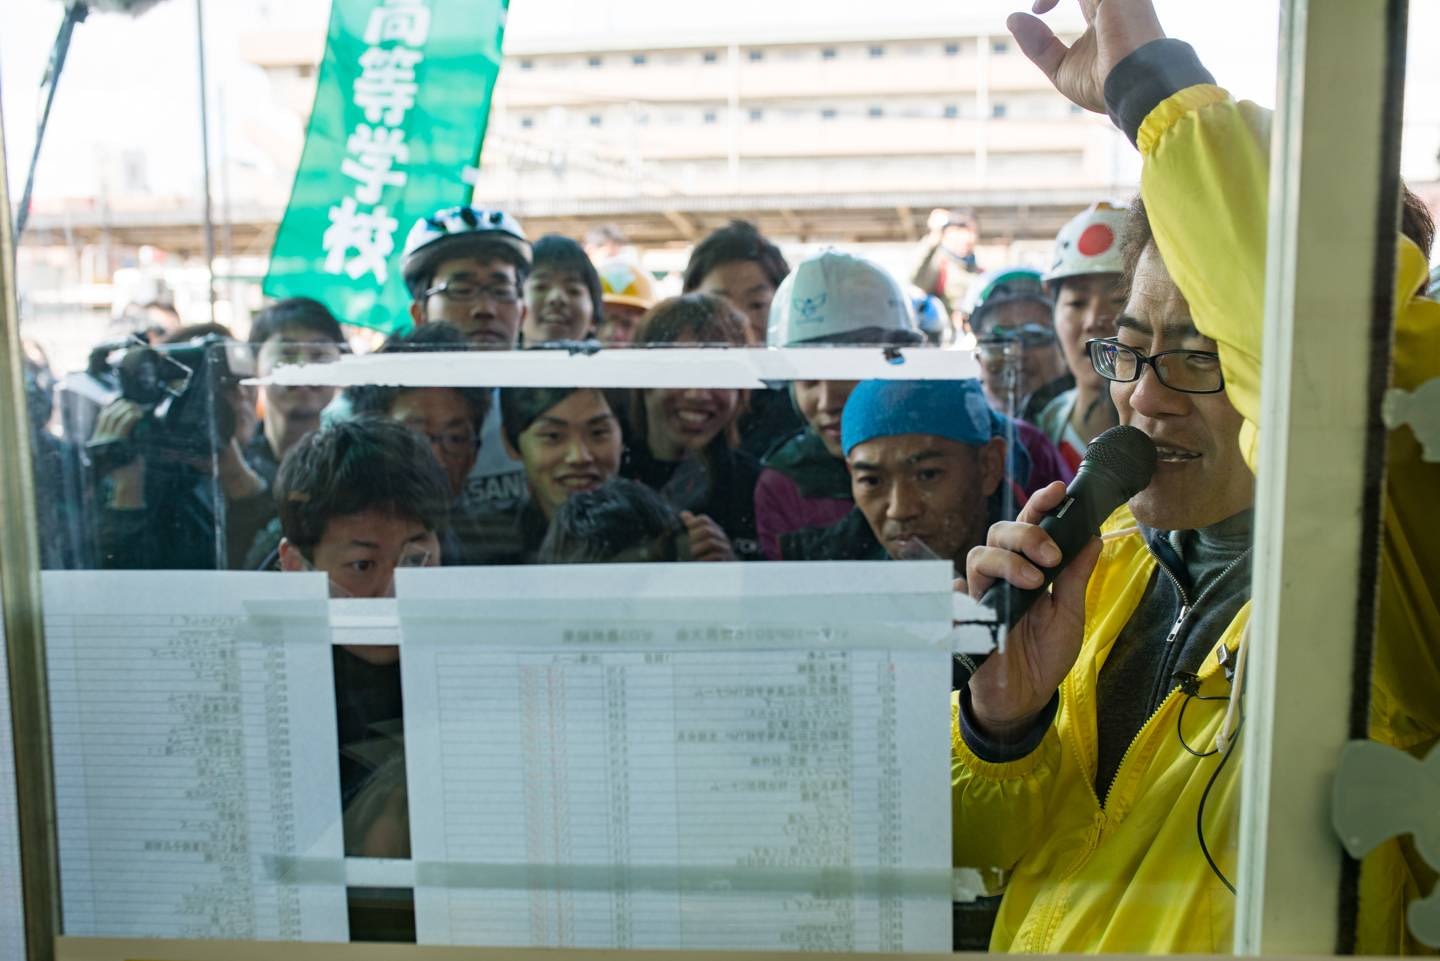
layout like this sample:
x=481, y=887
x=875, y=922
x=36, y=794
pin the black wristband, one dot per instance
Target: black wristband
x=1147, y=77
x=997, y=752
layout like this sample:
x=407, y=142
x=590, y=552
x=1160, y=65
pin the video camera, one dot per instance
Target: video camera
x=184, y=389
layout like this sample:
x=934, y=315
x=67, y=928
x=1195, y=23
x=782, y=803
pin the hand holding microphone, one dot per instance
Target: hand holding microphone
x=1053, y=543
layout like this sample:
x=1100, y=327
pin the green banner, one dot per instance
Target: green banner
x=400, y=112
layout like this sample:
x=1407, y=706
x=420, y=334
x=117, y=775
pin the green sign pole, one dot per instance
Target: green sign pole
x=400, y=112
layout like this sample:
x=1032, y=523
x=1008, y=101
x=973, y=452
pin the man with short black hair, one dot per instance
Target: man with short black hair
x=563, y=294
x=620, y=522
x=740, y=264
x=298, y=330
x=358, y=499
x=450, y=420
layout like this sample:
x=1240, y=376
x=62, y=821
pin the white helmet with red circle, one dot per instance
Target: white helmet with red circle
x=1088, y=244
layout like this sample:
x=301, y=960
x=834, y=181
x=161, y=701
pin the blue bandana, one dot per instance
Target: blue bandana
x=953, y=409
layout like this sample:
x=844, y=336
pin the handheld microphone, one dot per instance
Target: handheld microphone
x=1117, y=466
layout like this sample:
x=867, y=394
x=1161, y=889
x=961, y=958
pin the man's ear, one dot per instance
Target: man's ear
x=992, y=465
x=417, y=312
x=291, y=560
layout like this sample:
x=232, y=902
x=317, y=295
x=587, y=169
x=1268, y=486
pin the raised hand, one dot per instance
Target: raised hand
x=1114, y=30
x=708, y=542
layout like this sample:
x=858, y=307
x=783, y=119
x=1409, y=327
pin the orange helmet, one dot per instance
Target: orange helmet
x=626, y=283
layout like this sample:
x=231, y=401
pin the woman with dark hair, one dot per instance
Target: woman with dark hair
x=739, y=263
x=683, y=441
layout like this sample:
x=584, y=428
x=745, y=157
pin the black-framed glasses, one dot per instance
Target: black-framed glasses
x=1188, y=371
x=467, y=293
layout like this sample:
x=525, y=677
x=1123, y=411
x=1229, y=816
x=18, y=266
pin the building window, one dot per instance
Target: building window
x=527, y=64
x=952, y=49
x=998, y=111
x=711, y=116
x=756, y=115
x=827, y=53
x=638, y=60
x=710, y=56
x=828, y=113
x=877, y=52
x=595, y=120
x=1000, y=46
x=594, y=62
x=951, y=111
x=756, y=56
x=527, y=122
x=875, y=113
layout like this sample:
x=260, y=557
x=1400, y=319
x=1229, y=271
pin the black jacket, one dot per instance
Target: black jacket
x=719, y=483
x=848, y=539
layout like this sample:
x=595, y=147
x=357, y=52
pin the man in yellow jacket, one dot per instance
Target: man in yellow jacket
x=1086, y=761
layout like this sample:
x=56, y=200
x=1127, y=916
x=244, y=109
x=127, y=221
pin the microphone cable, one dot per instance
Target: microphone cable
x=1226, y=741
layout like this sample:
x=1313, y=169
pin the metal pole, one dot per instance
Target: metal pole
x=227, y=213
x=76, y=13
x=205, y=155
x=24, y=628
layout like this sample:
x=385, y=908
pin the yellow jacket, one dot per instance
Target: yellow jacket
x=1129, y=875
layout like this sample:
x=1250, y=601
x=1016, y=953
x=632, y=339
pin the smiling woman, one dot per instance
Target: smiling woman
x=568, y=440
x=683, y=442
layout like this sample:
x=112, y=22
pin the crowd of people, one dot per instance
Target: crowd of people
x=357, y=483
x=184, y=477
x=1071, y=789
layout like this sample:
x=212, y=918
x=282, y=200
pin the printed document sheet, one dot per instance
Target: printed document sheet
x=194, y=740
x=688, y=756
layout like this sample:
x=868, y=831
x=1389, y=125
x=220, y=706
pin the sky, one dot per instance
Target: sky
x=130, y=84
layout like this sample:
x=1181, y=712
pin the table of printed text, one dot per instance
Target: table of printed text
x=193, y=748
x=679, y=798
